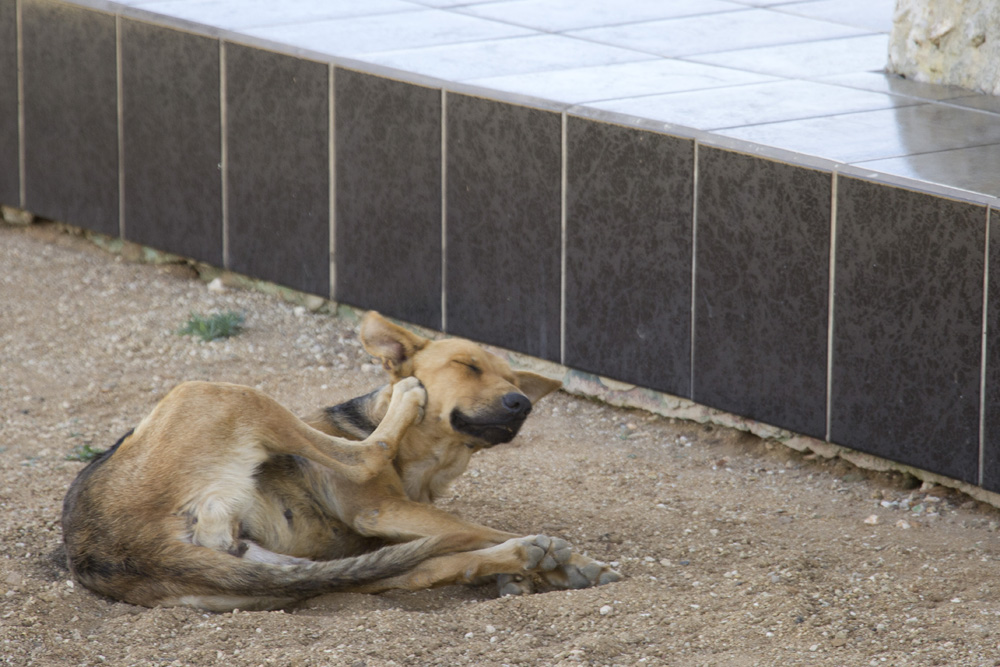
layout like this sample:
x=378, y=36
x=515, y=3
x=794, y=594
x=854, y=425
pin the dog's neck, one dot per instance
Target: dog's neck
x=431, y=455
x=428, y=466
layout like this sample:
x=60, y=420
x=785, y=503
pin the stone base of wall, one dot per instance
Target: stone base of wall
x=955, y=42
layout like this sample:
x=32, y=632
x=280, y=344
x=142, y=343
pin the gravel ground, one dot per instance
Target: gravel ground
x=735, y=550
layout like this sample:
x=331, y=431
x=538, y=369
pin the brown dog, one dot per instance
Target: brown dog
x=221, y=498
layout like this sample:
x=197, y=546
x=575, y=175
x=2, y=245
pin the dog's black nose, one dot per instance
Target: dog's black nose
x=517, y=404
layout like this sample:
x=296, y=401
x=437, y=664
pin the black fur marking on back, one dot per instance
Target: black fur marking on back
x=114, y=448
x=100, y=459
x=352, y=416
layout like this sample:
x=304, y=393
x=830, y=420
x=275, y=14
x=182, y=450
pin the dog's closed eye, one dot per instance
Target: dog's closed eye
x=471, y=365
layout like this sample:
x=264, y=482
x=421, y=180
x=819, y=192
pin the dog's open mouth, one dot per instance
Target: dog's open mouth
x=488, y=431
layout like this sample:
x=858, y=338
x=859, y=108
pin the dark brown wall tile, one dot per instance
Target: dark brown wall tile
x=907, y=327
x=172, y=140
x=277, y=112
x=70, y=114
x=763, y=239
x=628, y=254
x=503, y=225
x=388, y=196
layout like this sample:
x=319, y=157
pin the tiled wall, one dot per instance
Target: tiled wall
x=9, y=144
x=70, y=114
x=832, y=305
x=171, y=141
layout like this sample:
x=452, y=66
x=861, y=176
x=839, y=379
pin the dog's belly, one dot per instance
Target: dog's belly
x=292, y=515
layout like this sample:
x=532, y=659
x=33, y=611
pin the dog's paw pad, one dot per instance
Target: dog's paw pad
x=597, y=573
x=514, y=584
x=561, y=550
x=577, y=579
x=407, y=383
x=545, y=553
x=533, y=555
x=609, y=576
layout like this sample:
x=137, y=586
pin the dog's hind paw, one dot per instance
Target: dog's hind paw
x=410, y=397
x=544, y=553
x=581, y=572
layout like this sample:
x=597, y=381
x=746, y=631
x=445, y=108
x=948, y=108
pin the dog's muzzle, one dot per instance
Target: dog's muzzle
x=498, y=426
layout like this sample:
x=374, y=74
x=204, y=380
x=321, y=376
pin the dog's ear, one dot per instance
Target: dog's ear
x=535, y=386
x=393, y=345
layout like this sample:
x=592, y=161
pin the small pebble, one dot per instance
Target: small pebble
x=606, y=609
x=872, y=520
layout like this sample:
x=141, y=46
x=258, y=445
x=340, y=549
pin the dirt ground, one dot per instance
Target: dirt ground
x=735, y=551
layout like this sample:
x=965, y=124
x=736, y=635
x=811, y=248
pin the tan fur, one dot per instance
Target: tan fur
x=222, y=498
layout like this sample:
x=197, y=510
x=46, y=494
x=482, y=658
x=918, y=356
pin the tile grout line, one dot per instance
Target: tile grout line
x=694, y=263
x=982, y=351
x=444, y=210
x=332, y=175
x=563, y=181
x=830, y=300
x=121, y=125
x=21, y=151
x=224, y=153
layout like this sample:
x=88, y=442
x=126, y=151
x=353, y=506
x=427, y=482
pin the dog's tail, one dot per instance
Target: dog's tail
x=218, y=581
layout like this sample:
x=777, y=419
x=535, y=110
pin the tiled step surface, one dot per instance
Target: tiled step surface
x=723, y=200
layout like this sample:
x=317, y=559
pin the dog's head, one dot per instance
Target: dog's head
x=471, y=393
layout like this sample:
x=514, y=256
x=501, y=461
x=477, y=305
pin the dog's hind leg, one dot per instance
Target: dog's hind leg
x=368, y=457
x=517, y=556
x=280, y=432
x=221, y=481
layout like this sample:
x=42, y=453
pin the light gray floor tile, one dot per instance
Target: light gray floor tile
x=711, y=33
x=868, y=14
x=808, y=60
x=608, y=82
x=256, y=13
x=873, y=135
x=976, y=169
x=751, y=104
x=371, y=34
x=561, y=15
x=504, y=57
